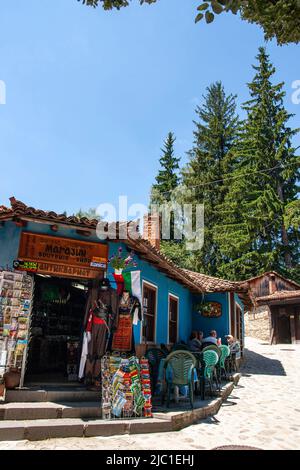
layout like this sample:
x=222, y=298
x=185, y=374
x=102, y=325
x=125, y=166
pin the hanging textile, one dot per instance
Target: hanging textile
x=122, y=340
x=132, y=284
x=84, y=353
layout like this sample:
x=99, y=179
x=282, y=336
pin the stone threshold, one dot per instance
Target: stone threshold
x=41, y=429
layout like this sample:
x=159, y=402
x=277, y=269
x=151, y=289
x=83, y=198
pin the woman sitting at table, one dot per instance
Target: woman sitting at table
x=194, y=343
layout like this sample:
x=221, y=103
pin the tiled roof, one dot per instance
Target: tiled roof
x=19, y=209
x=280, y=295
x=196, y=282
x=209, y=283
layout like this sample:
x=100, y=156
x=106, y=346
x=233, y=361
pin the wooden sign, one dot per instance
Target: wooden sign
x=64, y=257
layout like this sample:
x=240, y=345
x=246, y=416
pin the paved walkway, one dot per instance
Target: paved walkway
x=263, y=411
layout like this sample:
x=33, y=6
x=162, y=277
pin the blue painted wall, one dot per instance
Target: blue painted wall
x=165, y=286
x=9, y=244
x=221, y=324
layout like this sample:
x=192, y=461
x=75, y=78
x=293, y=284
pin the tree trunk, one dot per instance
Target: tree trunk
x=284, y=235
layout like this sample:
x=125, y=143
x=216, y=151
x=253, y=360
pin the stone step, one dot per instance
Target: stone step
x=40, y=429
x=49, y=410
x=51, y=395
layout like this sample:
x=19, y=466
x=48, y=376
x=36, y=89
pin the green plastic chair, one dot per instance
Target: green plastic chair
x=179, y=367
x=225, y=353
x=213, y=347
x=211, y=359
x=154, y=356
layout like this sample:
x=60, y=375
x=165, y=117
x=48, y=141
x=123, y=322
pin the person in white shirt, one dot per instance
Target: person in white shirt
x=211, y=339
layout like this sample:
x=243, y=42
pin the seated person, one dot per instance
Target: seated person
x=200, y=336
x=211, y=339
x=234, y=345
x=194, y=343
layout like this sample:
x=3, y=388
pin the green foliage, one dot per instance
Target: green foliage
x=89, y=214
x=167, y=179
x=110, y=4
x=293, y=273
x=279, y=18
x=162, y=193
x=246, y=174
x=176, y=252
x=252, y=232
x=292, y=214
x=215, y=133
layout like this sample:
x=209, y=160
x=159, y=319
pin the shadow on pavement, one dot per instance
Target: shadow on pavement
x=258, y=364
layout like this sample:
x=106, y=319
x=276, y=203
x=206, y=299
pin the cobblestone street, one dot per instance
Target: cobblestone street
x=263, y=411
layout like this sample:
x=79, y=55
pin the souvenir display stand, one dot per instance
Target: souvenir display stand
x=16, y=293
x=126, y=389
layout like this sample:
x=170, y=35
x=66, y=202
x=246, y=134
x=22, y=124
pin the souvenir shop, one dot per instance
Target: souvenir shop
x=74, y=326
x=77, y=311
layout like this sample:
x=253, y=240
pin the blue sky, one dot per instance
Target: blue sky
x=91, y=95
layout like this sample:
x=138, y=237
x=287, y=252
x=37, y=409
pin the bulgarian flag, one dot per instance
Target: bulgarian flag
x=132, y=284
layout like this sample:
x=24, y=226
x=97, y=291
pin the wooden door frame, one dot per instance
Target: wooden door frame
x=175, y=297
x=155, y=288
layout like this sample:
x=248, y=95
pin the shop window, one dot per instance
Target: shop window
x=173, y=319
x=149, y=310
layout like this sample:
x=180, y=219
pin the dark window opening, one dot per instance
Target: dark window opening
x=149, y=309
x=173, y=319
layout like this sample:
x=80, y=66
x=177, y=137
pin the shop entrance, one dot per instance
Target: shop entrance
x=284, y=329
x=56, y=329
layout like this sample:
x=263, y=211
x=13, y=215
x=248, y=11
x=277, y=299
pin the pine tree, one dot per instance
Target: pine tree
x=252, y=234
x=162, y=194
x=167, y=179
x=214, y=136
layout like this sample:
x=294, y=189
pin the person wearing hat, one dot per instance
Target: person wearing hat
x=233, y=344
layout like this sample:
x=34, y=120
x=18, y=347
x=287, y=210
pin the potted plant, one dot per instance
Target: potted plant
x=209, y=309
x=119, y=262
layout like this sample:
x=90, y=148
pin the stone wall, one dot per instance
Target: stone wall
x=257, y=325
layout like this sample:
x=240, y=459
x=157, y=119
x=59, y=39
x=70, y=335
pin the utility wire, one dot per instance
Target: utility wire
x=231, y=177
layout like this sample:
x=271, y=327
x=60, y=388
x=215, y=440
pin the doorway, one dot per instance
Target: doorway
x=57, y=322
x=284, y=329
